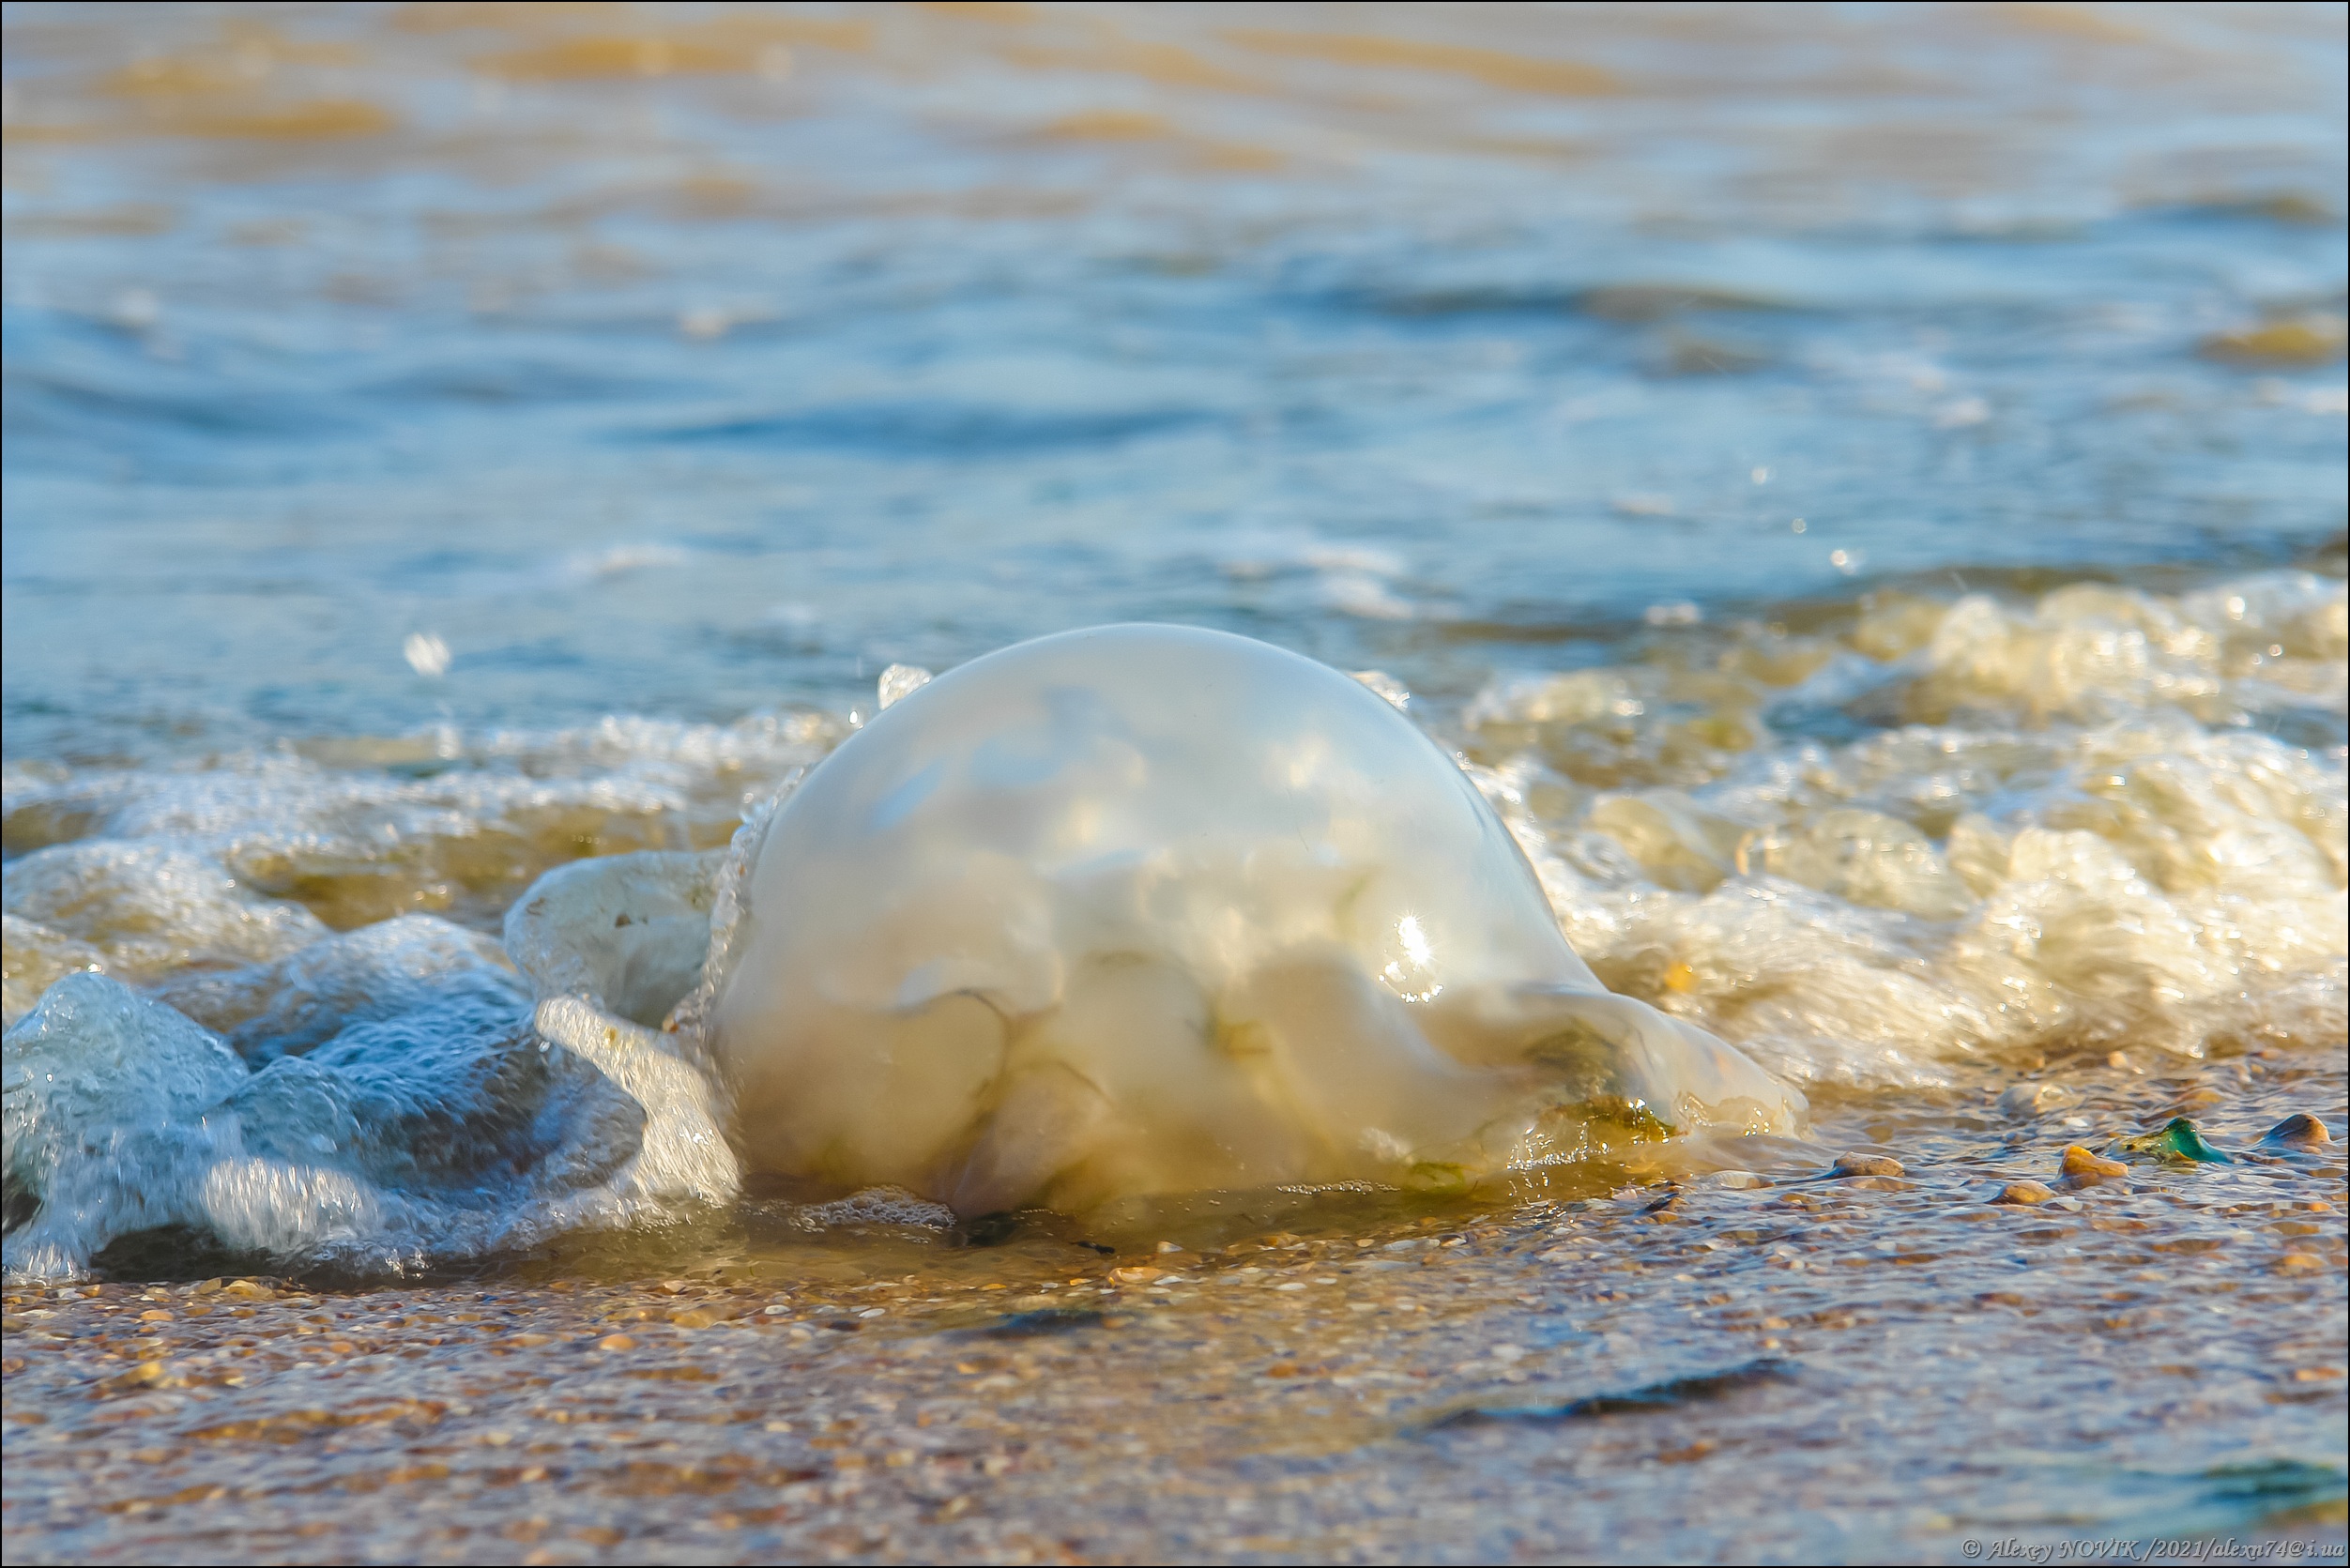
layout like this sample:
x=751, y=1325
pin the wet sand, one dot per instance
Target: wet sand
x=1812, y=1365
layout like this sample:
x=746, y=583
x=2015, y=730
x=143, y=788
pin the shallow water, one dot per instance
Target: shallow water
x=1861, y=492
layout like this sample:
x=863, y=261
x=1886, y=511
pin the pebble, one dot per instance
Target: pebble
x=2084, y=1169
x=2024, y=1191
x=1868, y=1164
x=2299, y=1130
x=615, y=1342
x=2035, y=1099
x=1737, y=1180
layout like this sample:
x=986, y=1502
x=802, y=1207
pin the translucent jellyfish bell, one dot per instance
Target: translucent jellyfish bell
x=1154, y=909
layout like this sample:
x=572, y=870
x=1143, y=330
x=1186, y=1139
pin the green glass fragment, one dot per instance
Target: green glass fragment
x=2181, y=1142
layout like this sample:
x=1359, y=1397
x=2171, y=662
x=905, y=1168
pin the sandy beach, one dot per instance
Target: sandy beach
x=1612, y=1375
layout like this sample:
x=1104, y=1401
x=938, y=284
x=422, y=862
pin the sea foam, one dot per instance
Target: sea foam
x=1148, y=909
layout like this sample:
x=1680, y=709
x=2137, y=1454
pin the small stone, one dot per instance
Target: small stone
x=141, y=1376
x=1866, y=1165
x=2084, y=1169
x=2298, y=1263
x=1170, y=1246
x=2024, y=1191
x=248, y=1290
x=615, y=1342
x=1139, y=1273
x=692, y=1318
x=2026, y=1099
x=2299, y=1132
x=1737, y=1180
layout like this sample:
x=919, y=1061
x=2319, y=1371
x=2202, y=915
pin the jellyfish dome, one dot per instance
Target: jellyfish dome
x=1149, y=909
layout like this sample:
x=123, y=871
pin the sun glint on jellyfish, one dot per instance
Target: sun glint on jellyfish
x=1149, y=909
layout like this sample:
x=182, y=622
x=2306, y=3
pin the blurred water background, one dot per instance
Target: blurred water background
x=697, y=361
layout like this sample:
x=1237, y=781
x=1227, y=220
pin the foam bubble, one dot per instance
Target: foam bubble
x=876, y=1206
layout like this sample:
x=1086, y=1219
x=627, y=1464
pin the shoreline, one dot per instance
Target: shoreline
x=1613, y=1377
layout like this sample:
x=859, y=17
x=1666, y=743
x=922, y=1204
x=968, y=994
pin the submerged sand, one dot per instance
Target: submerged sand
x=1782, y=1363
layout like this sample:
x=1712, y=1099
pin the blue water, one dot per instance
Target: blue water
x=699, y=395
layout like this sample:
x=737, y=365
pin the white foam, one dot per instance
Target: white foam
x=2092, y=818
x=149, y=908
x=2093, y=841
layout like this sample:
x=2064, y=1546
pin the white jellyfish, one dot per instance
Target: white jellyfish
x=1149, y=909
